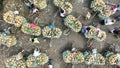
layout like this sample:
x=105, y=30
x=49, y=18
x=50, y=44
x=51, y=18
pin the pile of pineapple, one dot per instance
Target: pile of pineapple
x=67, y=6
x=73, y=56
x=98, y=5
x=41, y=4
x=89, y=59
x=99, y=35
x=11, y=18
x=112, y=58
x=51, y=33
x=101, y=7
x=9, y=40
x=91, y=33
x=73, y=23
x=105, y=14
x=33, y=61
x=96, y=59
x=32, y=31
x=58, y=2
x=13, y=62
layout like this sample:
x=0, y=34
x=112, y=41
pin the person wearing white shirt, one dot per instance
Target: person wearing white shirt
x=35, y=10
x=62, y=13
x=108, y=21
x=50, y=65
x=118, y=7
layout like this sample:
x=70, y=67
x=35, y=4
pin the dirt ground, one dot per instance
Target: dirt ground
x=77, y=40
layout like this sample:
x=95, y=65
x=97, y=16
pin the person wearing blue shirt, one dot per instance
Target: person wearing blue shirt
x=52, y=26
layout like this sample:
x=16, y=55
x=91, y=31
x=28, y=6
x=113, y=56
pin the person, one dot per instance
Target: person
x=4, y=35
x=88, y=15
x=35, y=39
x=36, y=53
x=50, y=65
x=117, y=18
x=108, y=21
x=7, y=31
x=62, y=13
x=116, y=31
x=28, y=4
x=31, y=6
x=118, y=7
x=15, y=13
x=52, y=26
x=85, y=29
x=1, y=5
x=113, y=8
x=35, y=10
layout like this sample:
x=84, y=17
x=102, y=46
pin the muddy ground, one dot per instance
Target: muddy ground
x=77, y=40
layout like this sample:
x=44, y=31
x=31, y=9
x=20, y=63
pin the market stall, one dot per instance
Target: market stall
x=51, y=32
x=8, y=40
x=41, y=4
x=11, y=18
x=37, y=58
x=112, y=58
x=73, y=56
x=73, y=23
x=31, y=29
x=93, y=58
x=16, y=61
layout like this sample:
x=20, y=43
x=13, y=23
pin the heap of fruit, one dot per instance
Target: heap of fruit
x=7, y=40
x=16, y=61
x=11, y=18
x=91, y=33
x=101, y=35
x=98, y=5
x=73, y=56
x=94, y=58
x=32, y=30
x=51, y=32
x=102, y=8
x=73, y=23
x=112, y=58
x=67, y=6
x=96, y=34
x=105, y=13
x=58, y=2
x=38, y=59
x=41, y=4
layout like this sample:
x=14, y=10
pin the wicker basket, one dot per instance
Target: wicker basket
x=41, y=4
x=51, y=33
x=58, y=2
x=26, y=28
x=73, y=23
x=67, y=6
x=9, y=40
